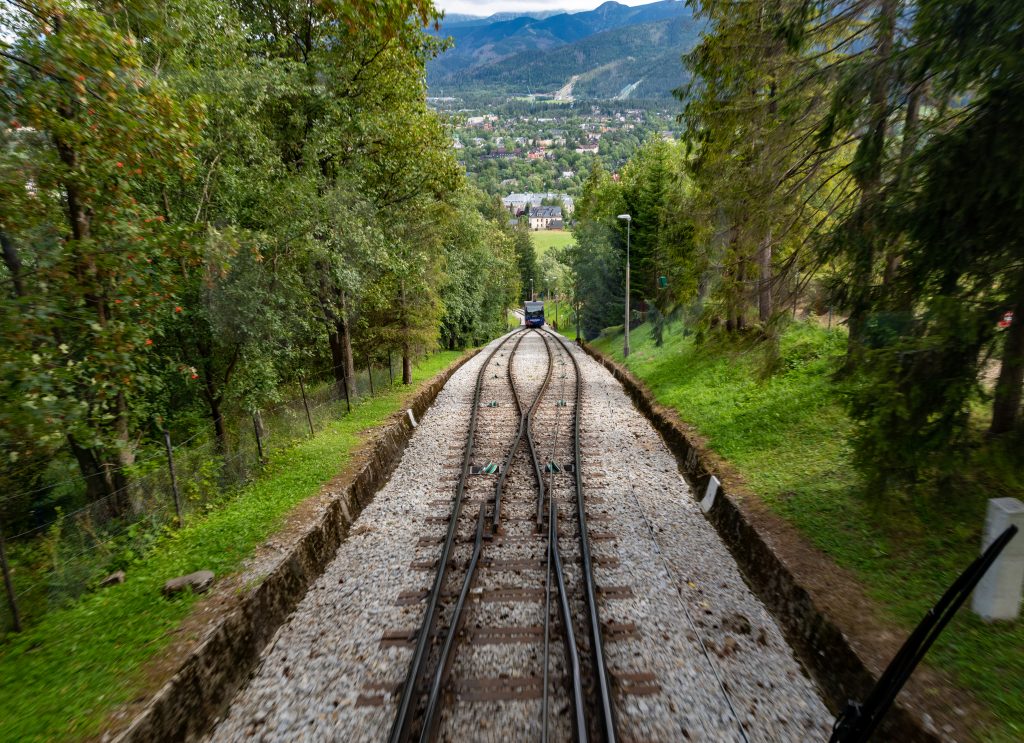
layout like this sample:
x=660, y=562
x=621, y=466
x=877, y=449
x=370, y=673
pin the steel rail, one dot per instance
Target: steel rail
x=524, y=432
x=537, y=470
x=401, y=728
x=430, y=716
x=572, y=656
x=500, y=482
x=606, y=719
x=547, y=648
x=440, y=677
x=547, y=586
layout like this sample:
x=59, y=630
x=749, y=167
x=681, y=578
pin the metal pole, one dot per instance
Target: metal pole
x=625, y=346
x=369, y=373
x=305, y=404
x=830, y=317
x=12, y=600
x=174, y=478
x=256, y=428
x=391, y=369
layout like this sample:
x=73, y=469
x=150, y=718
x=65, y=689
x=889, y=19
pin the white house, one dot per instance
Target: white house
x=541, y=217
x=517, y=202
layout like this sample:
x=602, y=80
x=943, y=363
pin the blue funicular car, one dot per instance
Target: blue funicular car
x=534, y=312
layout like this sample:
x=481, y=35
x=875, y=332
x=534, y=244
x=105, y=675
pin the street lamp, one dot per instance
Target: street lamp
x=532, y=298
x=625, y=344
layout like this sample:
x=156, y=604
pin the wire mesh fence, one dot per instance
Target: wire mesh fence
x=71, y=552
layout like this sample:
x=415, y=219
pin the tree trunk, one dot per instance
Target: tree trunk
x=13, y=263
x=764, y=286
x=406, y=364
x=217, y=416
x=125, y=455
x=103, y=480
x=740, y=297
x=1006, y=403
x=96, y=481
x=338, y=360
x=348, y=361
x=213, y=401
x=870, y=181
x=910, y=126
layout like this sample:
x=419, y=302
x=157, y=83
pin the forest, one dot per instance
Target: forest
x=856, y=159
x=204, y=203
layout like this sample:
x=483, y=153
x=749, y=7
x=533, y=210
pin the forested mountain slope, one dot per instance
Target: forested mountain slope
x=640, y=61
x=464, y=20
x=475, y=45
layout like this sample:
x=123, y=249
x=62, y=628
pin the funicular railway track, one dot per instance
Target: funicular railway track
x=445, y=618
x=532, y=667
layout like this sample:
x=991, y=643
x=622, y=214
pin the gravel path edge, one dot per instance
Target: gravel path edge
x=753, y=536
x=218, y=665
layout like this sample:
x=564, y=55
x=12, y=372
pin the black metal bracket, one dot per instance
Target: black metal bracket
x=858, y=720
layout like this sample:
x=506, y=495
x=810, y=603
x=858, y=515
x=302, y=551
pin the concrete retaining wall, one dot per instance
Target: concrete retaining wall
x=211, y=674
x=839, y=670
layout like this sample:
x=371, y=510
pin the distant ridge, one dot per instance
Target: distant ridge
x=487, y=41
x=452, y=20
x=614, y=51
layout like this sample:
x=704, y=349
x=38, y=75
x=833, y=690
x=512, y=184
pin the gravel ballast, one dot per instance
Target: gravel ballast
x=709, y=642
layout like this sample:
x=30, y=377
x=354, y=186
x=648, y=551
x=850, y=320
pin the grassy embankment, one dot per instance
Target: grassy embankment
x=788, y=435
x=61, y=678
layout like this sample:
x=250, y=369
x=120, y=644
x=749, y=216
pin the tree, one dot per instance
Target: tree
x=526, y=256
x=956, y=219
x=90, y=127
x=754, y=109
x=599, y=256
x=482, y=280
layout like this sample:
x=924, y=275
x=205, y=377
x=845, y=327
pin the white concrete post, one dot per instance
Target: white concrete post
x=998, y=594
x=412, y=418
x=709, y=494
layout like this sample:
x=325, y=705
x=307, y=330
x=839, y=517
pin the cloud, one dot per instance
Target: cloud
x=487, y=7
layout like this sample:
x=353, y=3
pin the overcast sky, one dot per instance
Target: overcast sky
x=487, y=7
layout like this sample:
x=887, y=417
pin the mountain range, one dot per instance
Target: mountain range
x=462, y=19
x=612, y=51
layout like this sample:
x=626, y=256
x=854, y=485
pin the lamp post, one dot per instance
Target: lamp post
x=532, y=298
x=625, y=343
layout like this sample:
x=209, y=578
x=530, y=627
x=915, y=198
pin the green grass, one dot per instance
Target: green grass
x=61, y=678
x=788, y=435
x=544, y=240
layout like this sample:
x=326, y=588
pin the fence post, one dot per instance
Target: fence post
x=174, y=478
x=369, y=373
x=305, y=404
x=391, y=369
x=256, y=424
x=12, y=599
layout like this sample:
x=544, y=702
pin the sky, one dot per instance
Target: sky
x=487, y=7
